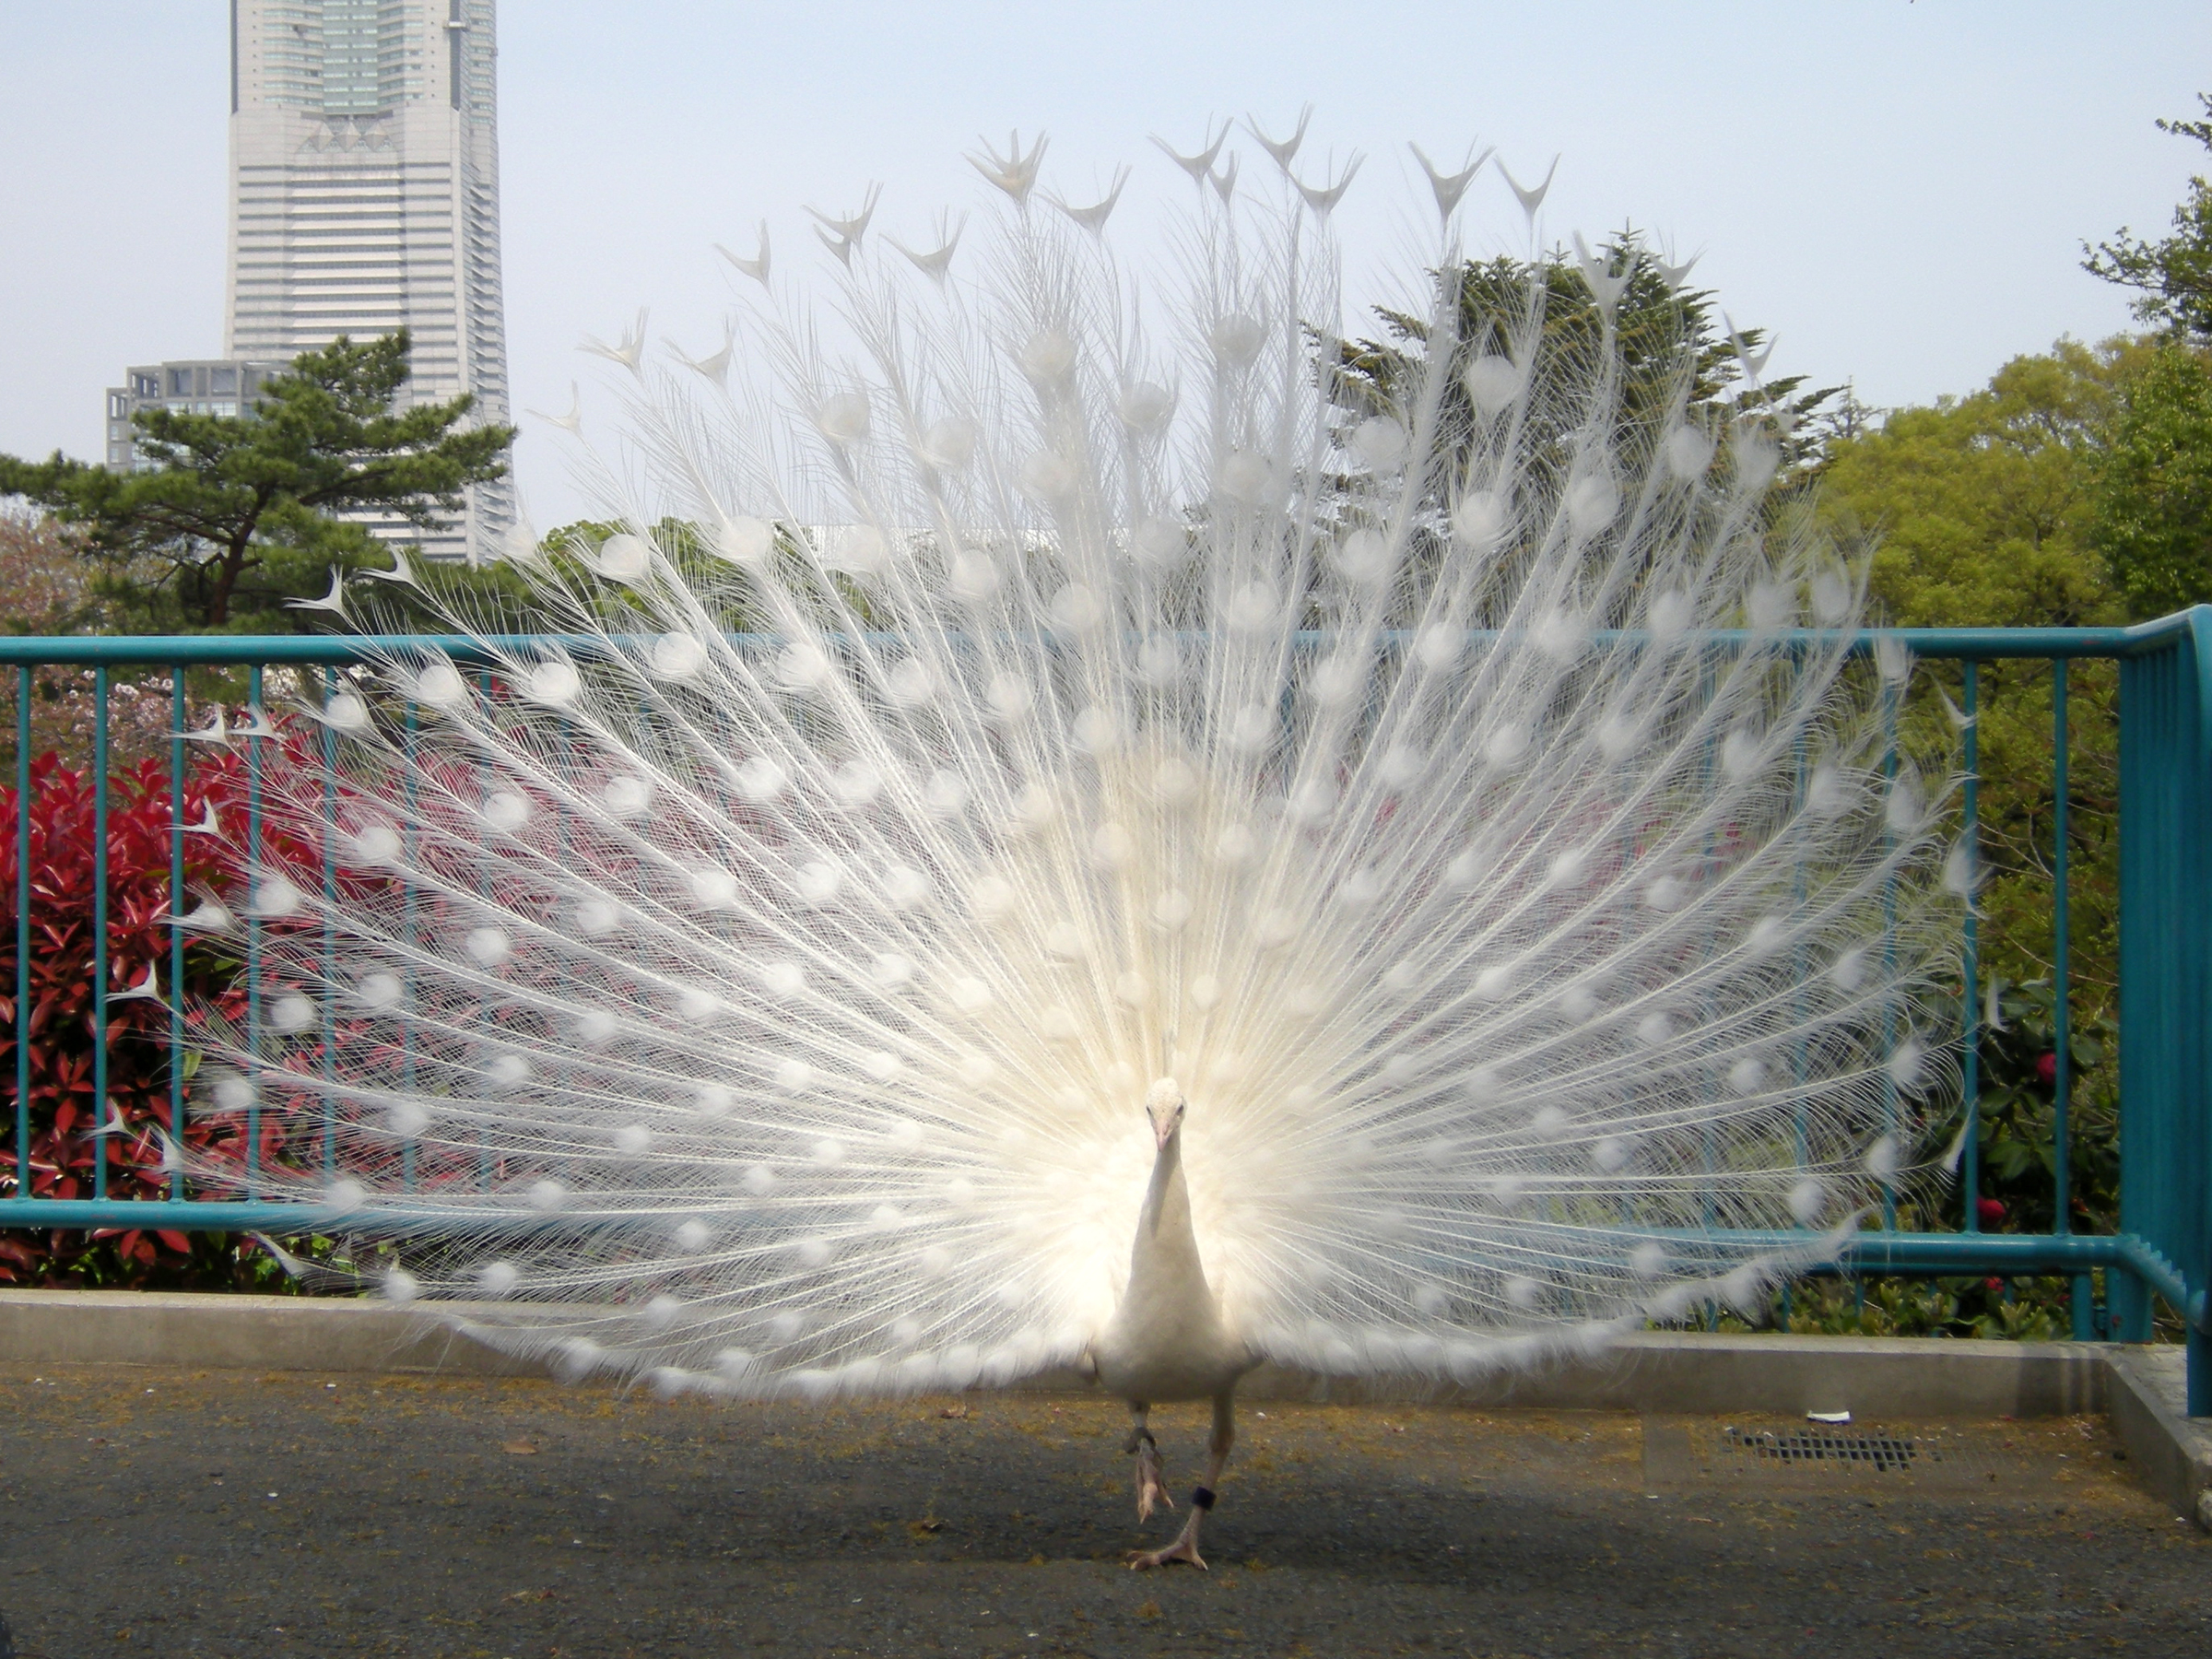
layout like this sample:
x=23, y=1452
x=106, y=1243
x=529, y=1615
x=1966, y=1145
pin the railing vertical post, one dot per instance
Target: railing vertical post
x=256, y=716
x=23, y=690
x=407, y=1038
x=1705, y=1137
x=2165, y=976
x=330, y=900
x=2194, y=1245
x=2079, y=1296
x=176, y=935
x=2148, y=717
x=483, y=1159
x=1970, y=1011
x=100, y=1109
x=2190, y=1238
x=1891, y=696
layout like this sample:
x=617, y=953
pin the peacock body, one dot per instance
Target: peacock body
x=1060, y=682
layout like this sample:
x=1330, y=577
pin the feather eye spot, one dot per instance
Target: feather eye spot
x=844, y=418
x=627, y=796
x=556, y=685
x=275, y=896
x=1237, y=339
x=506, y=811
x=677, y=657
x=439, y=686
x=507, y=1071
x=376, y=844
x=499, y=1280
x=745, y=542
x=1145, y=408
x=380, y=993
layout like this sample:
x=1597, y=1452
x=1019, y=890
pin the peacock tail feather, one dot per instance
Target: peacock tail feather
x=1002, y=690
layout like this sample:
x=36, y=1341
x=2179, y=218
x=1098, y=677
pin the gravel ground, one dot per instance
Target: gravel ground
x=194, y=1513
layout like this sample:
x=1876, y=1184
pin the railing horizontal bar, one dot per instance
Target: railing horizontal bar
x=295, y=1220
x=255, y=650
x=1944, y=1256
x=1936, y=1254
x=1982, y=644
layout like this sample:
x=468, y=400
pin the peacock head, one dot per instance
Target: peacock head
x=1164, y=1106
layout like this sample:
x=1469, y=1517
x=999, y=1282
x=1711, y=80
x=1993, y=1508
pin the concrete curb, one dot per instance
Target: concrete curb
x=1693, y=1372
x=236, y=1333
x=1647, y=1371
x=2148, y=1405
x=1671, y=1371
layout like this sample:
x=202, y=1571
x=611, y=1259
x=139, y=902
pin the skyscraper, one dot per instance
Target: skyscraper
x=365, y=197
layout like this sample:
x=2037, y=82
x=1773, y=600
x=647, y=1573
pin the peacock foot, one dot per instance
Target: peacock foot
x=1150, y=1488
x=1184, y=1548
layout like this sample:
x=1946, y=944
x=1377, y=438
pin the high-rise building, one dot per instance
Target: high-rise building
x=365, y=197
x=195, y=386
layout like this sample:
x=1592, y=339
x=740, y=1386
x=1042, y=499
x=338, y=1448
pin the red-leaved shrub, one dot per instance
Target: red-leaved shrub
x=69, y=1134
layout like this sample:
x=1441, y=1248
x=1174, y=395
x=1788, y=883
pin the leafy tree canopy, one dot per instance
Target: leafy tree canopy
x=2153, y=488
x=2153, y=492
x=1662, y=325
x=1535, y=337
x=2173, y=276
x=238, y=513
x=1981, y=507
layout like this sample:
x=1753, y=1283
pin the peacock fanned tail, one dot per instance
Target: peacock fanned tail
x=1022, y=679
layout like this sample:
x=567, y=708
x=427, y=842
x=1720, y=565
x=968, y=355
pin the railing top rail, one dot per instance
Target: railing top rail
x=91, y=651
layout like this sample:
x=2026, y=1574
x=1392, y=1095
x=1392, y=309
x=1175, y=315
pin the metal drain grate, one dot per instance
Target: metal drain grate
x=1815, y=1448
x=1792, y=1455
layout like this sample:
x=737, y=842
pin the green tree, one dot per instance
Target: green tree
x=1980, y=508
x=2153, y=483
x=1545, y=331
x=2173, y=275
x=240, y=514
x=1658, y=324
x=2154, y=487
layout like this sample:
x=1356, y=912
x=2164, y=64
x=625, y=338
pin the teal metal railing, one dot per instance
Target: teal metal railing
x=2164, y=1244
x=2165, y=988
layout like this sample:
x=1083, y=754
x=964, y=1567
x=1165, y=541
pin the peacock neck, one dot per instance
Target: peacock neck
x=1165, y=1242
x=1169, y=1339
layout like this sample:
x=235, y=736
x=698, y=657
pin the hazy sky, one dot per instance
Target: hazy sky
x=1899, y=190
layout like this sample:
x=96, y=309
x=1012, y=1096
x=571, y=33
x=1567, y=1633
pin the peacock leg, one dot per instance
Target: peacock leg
x=1185, y=1546
x=1150, y=1487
